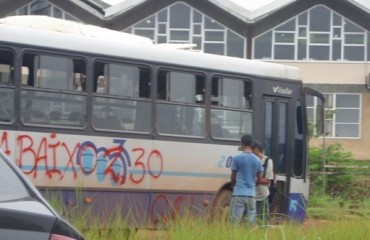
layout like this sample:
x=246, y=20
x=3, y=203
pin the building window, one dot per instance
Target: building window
x=319, y=34
x=43, y=7
x=180, y=23
x=343, y=114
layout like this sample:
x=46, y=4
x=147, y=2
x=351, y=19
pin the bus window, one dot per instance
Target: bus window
x=54, y=72
x=182, y=110
x=114, y=83
x=53, y=107
x=122, y=80
x=6, y=86
x=6, y=67
x=230, y=92
x=230, y=99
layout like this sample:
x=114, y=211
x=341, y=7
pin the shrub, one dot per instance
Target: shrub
x=336, y=182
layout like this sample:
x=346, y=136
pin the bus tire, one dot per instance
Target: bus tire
x=221, y=205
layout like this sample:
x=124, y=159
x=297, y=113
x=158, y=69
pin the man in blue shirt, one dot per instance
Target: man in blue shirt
x=246, y=172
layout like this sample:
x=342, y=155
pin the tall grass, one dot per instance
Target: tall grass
x=327, y=220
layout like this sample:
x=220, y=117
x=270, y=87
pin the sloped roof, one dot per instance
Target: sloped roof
x=246, y=10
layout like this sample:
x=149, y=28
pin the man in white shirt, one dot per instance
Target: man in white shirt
x=262, y=190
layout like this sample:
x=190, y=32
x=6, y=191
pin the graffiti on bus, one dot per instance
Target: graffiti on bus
x=54, y=157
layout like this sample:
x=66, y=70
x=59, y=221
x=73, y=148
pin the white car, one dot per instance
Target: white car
x=24, y=213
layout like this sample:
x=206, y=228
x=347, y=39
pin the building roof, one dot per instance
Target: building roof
x=246, y=10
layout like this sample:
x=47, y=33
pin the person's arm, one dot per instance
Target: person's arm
x=233, y=179
x=261, y=180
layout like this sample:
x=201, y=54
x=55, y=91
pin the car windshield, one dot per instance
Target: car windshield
x=11, y=186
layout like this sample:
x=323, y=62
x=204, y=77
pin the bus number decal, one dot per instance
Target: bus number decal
x=139, y=163
x=155, y=155
x=225, y=162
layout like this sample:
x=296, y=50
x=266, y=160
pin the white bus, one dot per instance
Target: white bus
x=140, y=129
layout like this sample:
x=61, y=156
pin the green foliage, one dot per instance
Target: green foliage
x=331, y=176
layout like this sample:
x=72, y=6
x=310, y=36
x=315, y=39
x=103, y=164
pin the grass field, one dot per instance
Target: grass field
x=332, y=223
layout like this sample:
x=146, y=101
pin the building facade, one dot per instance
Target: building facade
x=329, y=40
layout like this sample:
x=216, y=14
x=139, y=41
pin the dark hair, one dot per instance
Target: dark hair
x=247, y=140
x=258, y=145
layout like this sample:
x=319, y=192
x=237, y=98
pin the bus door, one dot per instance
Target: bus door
x=277, y=130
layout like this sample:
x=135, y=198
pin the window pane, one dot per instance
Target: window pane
x=176, y=35
x=145, y=33
x=354, y=38
x=181, y=87
x=215, y=48
x=319, y=38
x=58, y=13
x=302, y=32
x=302, y=49
x=162, y=28
x=347, y=101
x=347, y=116
x=179, y=16
x=282, y=138
x=320, y=19
x=6, y=105
x=337, y=20
x=337, y=50
x=53, y=72
x=121, y=115
x=354, y=53
x=319, y=52
x=197, y=16
x=268, y=127
x=263, y=46
x=284, y=52
x=302, y=19
x=214, y=36
x=351, y=27
x=287, y=26
x=40, y=7
x=230, y=124
x=211, y=24
x=180, y=120
x=347, y=130
x=162, y=16
x=284, y=37
x=337, y=32
x=235, y=45
x=122, y=80
x=231, y=93
x=6, y=67
x=43, y=108
x=197, y=29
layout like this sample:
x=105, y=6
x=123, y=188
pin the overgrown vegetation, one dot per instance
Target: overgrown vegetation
x=335, y=173
x=339, y=203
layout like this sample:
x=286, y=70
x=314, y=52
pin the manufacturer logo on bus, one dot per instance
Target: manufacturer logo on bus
x=280, y=90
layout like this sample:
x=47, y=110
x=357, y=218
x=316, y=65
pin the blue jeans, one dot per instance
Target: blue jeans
x=263, y=211
x=241, y=205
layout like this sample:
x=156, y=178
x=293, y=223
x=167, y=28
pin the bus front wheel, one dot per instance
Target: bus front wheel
x=221, y=205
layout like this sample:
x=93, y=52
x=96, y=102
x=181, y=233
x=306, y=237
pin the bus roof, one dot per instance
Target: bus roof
x=67, y=35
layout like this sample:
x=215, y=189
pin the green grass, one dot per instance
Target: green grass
x=328, y=218
x=323, y=223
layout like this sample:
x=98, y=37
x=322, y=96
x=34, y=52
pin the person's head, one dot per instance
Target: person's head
x=246, y=140
x=257, y=147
